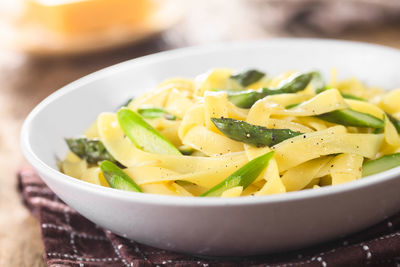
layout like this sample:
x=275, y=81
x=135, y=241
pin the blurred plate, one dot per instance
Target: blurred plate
x=39, y=41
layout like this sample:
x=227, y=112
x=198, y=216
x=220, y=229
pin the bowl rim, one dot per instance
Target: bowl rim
x=166, y=200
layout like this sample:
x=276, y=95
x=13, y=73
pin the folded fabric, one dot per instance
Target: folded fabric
x=71, y=240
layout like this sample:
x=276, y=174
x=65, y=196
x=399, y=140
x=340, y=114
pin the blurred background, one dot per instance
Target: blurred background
x=45, y=44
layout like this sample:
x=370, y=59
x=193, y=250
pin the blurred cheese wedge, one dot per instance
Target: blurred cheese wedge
x=71, y=17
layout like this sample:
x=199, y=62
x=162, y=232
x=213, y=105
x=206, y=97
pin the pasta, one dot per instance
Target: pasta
x=231, y=134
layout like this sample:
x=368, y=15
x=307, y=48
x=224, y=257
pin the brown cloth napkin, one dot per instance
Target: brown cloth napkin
x=71, y=240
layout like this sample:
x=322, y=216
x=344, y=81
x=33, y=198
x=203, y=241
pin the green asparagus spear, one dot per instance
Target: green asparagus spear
x=349, y=117
x=252, y=134
x=292, y=105
x=349, y=96
x=296, y=83
x=117, y=178
x=143, y=135
x=245, y=99
x=152, y=113
x=395, y=122
x=381, y=164
x=248, y=77
x=378, y=130
x=186, y=150
x=91, y=150
x=126, y=103
x=242, y=177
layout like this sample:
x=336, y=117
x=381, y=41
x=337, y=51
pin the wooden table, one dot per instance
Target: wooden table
x=25, y=81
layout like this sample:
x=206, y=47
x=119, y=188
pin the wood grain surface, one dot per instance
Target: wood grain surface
x=25, y=81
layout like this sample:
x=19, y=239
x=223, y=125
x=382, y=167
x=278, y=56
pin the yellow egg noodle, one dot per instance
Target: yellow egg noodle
x=324, y=150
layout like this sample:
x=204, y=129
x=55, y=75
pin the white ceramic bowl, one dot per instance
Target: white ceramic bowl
x=211, y=226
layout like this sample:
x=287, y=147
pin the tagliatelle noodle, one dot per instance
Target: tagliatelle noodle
x=324, y=102
x=177, y=103
x=209, y=142
x=215, y=106
x=233, y=192
x=390, y=101
x=345, y=168
x=330, y=141
x=95, y=176
x=298, y=177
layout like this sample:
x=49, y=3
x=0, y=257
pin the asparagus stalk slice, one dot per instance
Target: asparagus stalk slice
x=349, y=117
x=117, y=178
x=381, y=164
x=248, y=77
x=91, y=150
x=292, y=105
x=245, y=99
x=126, y=103
x=143, y=135
x=186, y=150
x=395, y=122
x=242, y=177
x=252, y=134
x=349, y=96
x=152, y=113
